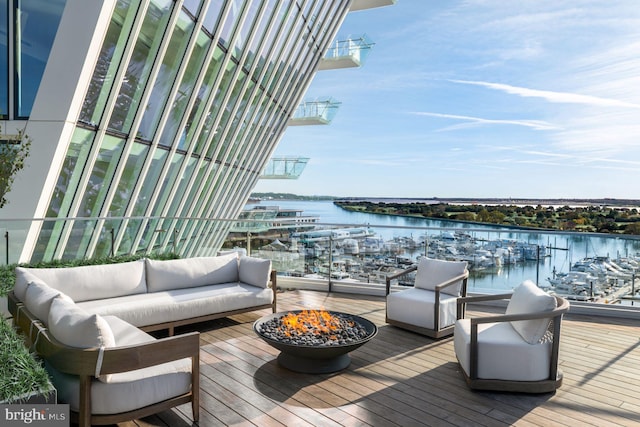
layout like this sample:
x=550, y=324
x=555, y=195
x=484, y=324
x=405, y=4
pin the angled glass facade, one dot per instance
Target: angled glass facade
x=172, y=123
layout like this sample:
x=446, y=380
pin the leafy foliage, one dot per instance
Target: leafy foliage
x=12, y=159
x=20, y=372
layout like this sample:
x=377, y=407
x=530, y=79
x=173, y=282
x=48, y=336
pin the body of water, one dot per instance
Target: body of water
x=561, y=250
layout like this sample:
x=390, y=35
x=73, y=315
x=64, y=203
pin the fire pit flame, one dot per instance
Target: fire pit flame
x=316, y=322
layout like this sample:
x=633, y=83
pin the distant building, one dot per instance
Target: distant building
x=149, y=117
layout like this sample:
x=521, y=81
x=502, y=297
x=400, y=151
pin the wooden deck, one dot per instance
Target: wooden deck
x=404, y=379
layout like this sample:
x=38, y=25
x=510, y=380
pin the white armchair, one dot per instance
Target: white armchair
x=429, y=307
x=517, y=351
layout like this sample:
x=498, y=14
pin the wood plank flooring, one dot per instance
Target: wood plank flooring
x=403, y=379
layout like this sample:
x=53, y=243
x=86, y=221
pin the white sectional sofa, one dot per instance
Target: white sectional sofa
x=88, y=323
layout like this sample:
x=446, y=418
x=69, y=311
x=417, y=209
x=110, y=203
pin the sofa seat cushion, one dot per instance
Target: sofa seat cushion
x=502, y=353
x=91, y=281
x=128, y=390
x=180, y=304
x=416, y=306
x=166, y=275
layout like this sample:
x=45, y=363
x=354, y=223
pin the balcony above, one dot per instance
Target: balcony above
x=317, y=112
x=348, y=53
x=369, y=4
x=284, y=168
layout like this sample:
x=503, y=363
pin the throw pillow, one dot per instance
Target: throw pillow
x=74, y=327
x=528, y=298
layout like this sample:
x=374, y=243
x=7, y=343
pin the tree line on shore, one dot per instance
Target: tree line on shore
x=601, y=219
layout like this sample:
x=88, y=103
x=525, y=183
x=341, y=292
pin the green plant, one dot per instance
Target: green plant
x=13, y=153
x=21, y=373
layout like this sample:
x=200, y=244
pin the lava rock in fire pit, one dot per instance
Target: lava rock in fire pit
x=313, y=328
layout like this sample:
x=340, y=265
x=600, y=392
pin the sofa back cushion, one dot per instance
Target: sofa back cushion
x=93, y=281
x=528, y=298
x=255, y=271
x=38, y=299
x=432, y=272
x=190, y=272
x=24, y=276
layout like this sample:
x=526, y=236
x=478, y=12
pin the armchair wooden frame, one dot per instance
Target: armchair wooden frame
x=437, y=331
x=82, y=363
x=551, y=383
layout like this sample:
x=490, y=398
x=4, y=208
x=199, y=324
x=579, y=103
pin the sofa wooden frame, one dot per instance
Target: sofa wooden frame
x=551, y=383
x=82, y=363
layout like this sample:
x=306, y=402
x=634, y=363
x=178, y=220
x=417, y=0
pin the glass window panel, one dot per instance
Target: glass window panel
x=213, y=13
x=228, y=109
x=245, y=28
x=260, y=32
x=150, y=182
x=108, y=61
x=104, y=245
x=198, y=108
x=229, y=24
x=182, y=186
x=168, y=183
x=129, y=179
x=183, y=95
x=140, y=64
x=193, y=6
x=166, y=77
x=207, y=131
x=4, y=59
x=142, y=203
x=101, y=176
x=35, y=29
x=64, y=192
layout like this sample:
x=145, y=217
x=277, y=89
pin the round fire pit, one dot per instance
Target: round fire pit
x=315, y=350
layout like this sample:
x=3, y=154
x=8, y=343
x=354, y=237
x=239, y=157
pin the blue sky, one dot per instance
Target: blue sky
x=480, y=98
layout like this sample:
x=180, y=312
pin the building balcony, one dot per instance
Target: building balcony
x=348, y=53
x=370, y=4
x=317, y=112
x=284, y=168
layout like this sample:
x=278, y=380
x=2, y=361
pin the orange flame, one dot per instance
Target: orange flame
x=317, y=322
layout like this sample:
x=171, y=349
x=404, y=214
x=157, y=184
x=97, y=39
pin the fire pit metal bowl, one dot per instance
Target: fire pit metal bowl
x=315, y=359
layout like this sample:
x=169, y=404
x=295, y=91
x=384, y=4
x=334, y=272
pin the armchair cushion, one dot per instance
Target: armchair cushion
x=502, y=353
x=528, y=298
x=415, y=306
x=432, y=272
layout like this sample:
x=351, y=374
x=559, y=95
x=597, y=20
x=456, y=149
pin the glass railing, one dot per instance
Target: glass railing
x=582, y=267
x=587, y=268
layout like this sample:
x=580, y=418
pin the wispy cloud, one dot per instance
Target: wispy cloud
x=551, y=96
x=479, y=121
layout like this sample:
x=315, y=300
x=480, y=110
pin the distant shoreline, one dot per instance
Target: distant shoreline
x=456, y=200
x=499, y=201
